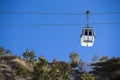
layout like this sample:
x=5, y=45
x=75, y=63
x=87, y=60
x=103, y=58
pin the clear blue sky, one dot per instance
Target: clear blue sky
x=58, y=41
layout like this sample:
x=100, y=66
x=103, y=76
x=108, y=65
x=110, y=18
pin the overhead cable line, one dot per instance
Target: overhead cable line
x=41, y=24
x=106, y=13
x=42, y=13
x=54, y=13
x=74, y=24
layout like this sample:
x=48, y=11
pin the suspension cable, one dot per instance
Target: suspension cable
x=74, y=24
x=87, y=13
x=54, y=13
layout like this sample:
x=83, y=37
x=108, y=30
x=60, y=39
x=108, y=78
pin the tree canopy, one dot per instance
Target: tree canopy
x=41, y=69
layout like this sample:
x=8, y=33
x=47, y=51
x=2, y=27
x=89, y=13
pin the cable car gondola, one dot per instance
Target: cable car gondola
x=88, y=35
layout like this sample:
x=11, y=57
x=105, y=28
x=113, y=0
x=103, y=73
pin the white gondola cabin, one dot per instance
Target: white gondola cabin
x=87, y=36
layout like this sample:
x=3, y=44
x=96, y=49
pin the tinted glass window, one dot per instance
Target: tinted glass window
x=86, y=32
x=90, y=32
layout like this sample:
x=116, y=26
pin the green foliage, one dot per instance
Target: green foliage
x=104, y=58
x=2, y=50
x=109, y=69
x=23, y=72
x=104, y=69
x=88, y=77
x=76, y=66
x=41, y=69
x=60, y=71
x=74, y=59
x=29, y=55
x=8, y=52
x=95, y=57
x=6, y=73
x=52, y=71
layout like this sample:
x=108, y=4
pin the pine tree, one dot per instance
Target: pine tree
x=41, y=69
x=109, y=69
